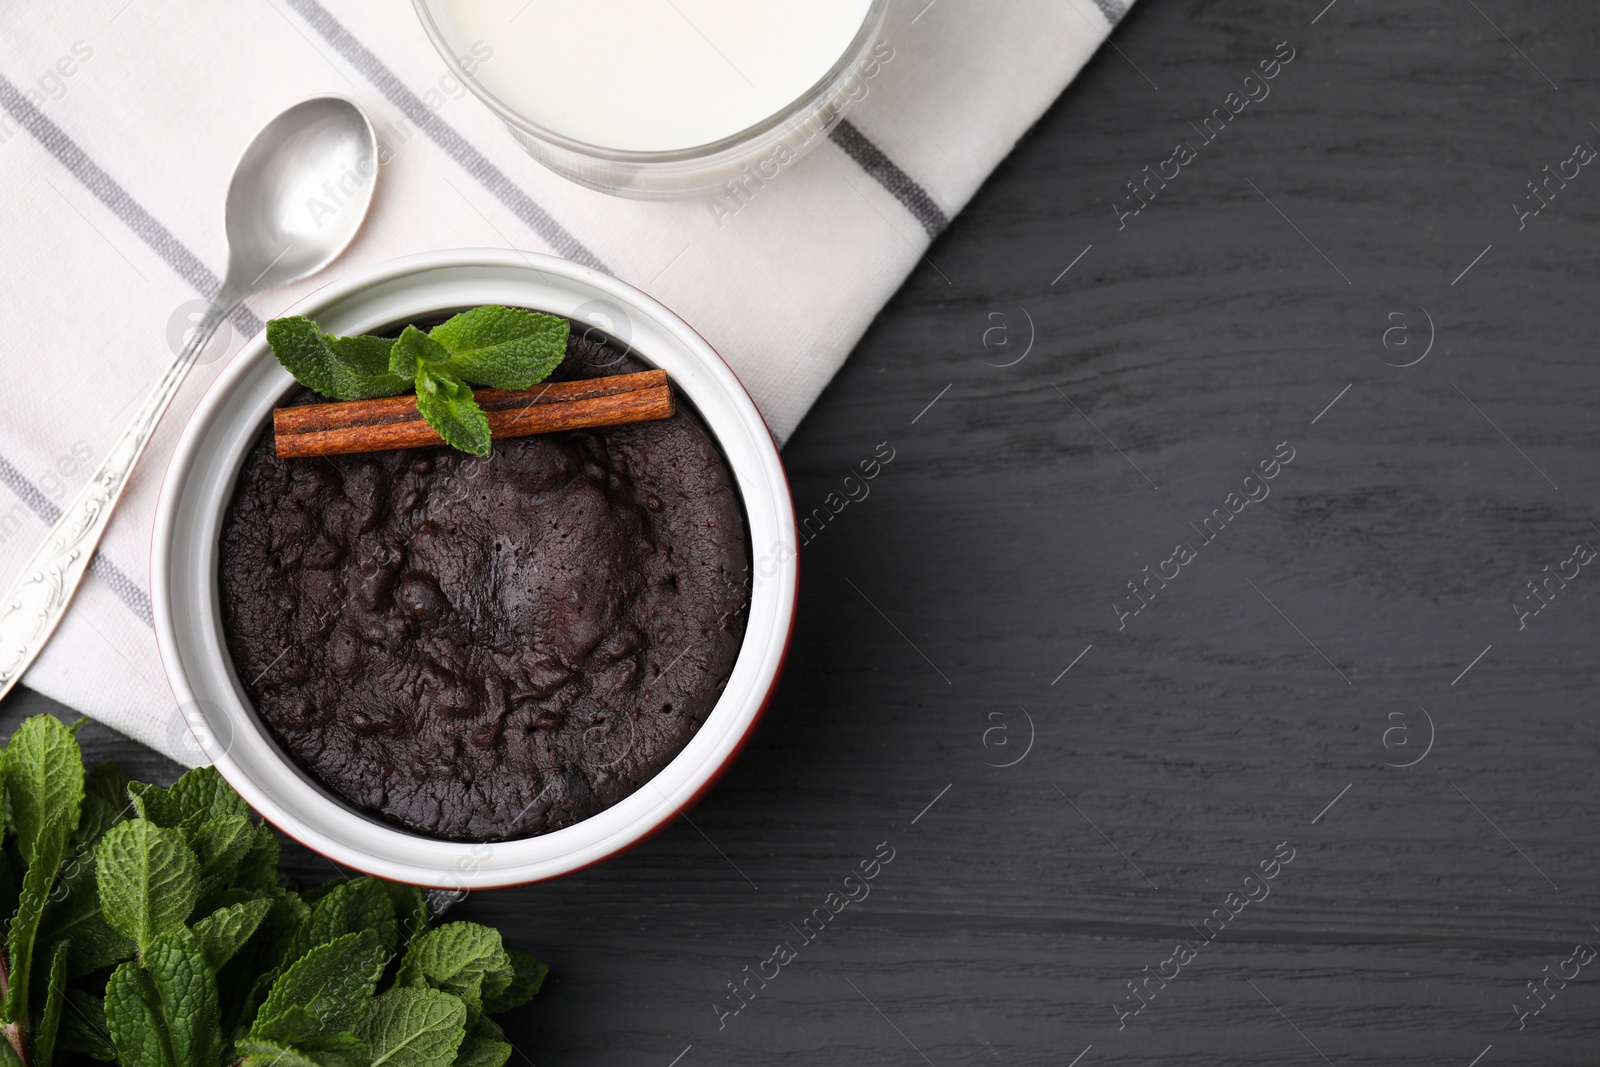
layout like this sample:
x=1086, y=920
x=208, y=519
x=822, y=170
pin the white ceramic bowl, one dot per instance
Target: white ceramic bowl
x=199, y=485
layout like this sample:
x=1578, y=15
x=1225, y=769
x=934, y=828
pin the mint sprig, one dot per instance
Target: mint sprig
x=151, y=927
x=503, y=348
x=443, y=398
x=498, y=347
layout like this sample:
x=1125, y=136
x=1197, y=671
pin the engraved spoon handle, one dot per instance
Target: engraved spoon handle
x=35, y=603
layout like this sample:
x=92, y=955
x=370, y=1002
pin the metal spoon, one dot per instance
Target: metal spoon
x=280, y=229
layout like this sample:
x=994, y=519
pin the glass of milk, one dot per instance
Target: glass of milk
x=663, y=99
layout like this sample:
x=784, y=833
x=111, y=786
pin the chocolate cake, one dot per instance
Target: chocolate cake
x=489, y=648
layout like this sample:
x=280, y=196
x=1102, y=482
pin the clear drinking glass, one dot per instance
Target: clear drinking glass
x=758, y=152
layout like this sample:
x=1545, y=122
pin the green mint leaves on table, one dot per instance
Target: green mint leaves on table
x=502, y=348
x=151, y=927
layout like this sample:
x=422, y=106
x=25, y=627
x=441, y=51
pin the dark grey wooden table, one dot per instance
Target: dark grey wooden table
x=1348, y=670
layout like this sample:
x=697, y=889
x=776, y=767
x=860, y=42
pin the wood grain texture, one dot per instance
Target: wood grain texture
x=1177, y=752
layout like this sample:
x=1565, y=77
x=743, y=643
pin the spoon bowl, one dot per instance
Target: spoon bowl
x=299, y=193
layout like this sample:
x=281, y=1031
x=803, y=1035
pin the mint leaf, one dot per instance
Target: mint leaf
x=50, y=845
x=188, y=992
x=244, y=1015
x=483, y=1052
x=202, y=794
x=294, y=1024
x=447, y=403
x=526, y=978
x=342, y=1050
x=9, y=864
x=339, y=1050
x=44, y=1035
x=410, y=911
x=220, y=845
x=289, y=914
x=164, y=1014
x=485, y=1046
x=414, y=1028
x=109, y=782
x=134, y=1019
x=503, y=348
x=149, y=880
x=345, y=368
x=317, y=892
x=444, y=400
x=253, y=1052
x=98, y=816
x=414, y=350
x=224, y=931
x=43, y=773
x=332, y=983
x=198, y=797
x=74, y=914
x=350, y=907
x=258, y=1053
x=259, y=868
x=83, y=1027
x=459, y=958
x=152, y=802
x=261, y=961
x=106, y=803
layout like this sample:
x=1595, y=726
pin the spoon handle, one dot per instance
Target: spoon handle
x=35, y=603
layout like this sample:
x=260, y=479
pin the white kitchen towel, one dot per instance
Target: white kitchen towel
x=121, y=120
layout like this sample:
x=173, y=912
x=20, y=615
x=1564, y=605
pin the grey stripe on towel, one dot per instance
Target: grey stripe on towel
x=902, y=185
x=160, y=239
x=126, y=589
x=460, y=149
x=1113, y=10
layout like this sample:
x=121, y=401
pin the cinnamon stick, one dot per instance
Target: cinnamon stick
x=394, y=422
